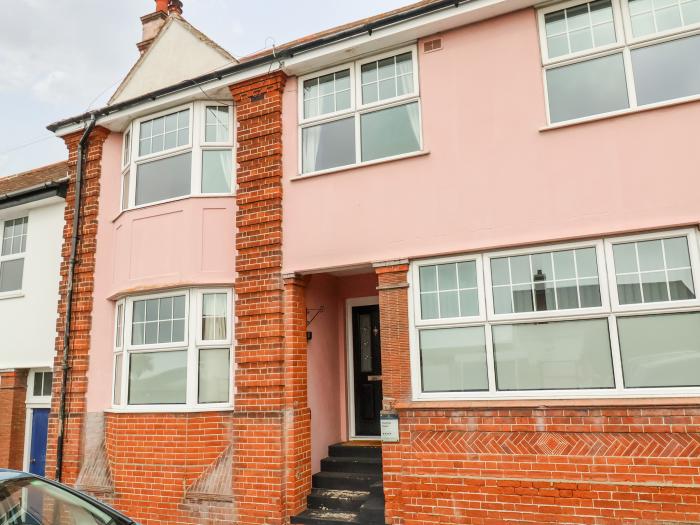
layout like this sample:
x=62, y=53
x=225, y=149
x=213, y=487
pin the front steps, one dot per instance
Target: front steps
x=348, y=490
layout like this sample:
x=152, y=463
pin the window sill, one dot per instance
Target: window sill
x=546, y=403
x=175, y=199
x=161, y=409
x=360, y=165
x=623, y=112
x=11, y=295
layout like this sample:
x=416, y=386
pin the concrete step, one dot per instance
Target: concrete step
x=326, y=517
x=344, y=480
x=352, y=464
x=372, y=511
x=334, y=499
x=355, y=451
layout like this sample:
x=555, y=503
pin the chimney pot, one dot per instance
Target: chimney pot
x=162, y=5
x=175, y=6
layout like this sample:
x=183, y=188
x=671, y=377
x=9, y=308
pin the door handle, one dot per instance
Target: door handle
x=33, y=461
x=374, y=378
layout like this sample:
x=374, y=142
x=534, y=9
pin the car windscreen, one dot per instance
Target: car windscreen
x=31, y=501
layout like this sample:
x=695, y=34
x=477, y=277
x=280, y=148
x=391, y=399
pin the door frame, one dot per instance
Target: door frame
x=32, y=402
x=350, y=363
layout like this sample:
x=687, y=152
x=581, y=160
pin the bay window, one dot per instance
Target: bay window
x=360, y=112
x=608, y=56
x=12, y=253
x=617, y=316
x=173, y=349
x=179, y=152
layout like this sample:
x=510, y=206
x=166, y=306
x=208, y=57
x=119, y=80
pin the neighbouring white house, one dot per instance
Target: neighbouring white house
x=32, y=206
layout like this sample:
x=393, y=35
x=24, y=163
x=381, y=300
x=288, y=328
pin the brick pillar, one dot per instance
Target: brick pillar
x=81, y=323
x=296, y=406
x=13, y=395
x=396, y=370
x=258, y=426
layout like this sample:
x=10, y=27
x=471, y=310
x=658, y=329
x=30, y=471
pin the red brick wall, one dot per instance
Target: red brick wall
x=155, y=458
x=82, y=305
x=271, y=411
x=459, y=464
x=13, y=394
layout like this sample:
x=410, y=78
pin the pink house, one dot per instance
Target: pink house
x=436, y=266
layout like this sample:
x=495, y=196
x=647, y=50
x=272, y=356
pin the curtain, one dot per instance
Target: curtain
x=311, y=142
x=414, y=120
x=213, y=328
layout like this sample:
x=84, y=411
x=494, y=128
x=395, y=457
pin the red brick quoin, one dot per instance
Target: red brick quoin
x=477, y=465
x=13, y=394
x=81, y=322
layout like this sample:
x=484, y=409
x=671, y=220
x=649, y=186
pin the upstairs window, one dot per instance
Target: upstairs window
x=360, y=112
x=184, y=151
x=12, y=253
x=608, y=56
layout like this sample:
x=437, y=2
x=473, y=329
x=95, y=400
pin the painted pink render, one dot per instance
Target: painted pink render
x=492, y=177
x=179, y=244
x=327, y=358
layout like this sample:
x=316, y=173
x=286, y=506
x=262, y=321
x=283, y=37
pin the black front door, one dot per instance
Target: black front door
x=367, y=366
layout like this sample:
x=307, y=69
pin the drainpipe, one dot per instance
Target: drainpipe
x=80, y=167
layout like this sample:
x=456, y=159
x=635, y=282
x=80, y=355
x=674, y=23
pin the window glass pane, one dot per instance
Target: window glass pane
x=11, y=275
x=48, y=383
x=651, y=17
x=653, y=271
x=125, y=190
x=152, y=132
x=14, y=236
x=545, y=281
x=390, y=132
x=559, y=355
x=449, y=290
x=38, y=384
x=214, y=375
x=453, y=359
x=587, y=88
x=158, y=378
x=163, y=179
x=216, y=124
x=214, y=316
x=668, y=70
x=579, y=28
x=158, y=321
x=327, y=94
x=328, y=145
x=117, y=379
x=691, y=12
x=217, y=167
x=660, y=350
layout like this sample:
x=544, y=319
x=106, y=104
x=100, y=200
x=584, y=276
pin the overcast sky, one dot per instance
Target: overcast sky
x=60, y=57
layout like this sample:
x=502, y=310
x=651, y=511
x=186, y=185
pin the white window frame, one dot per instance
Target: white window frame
x=357, y=108
x=609, y=311
x=192, y=344
x=668, y=306
x=625, y=44
x=196, y=145
x=14, y=256
x=31, y=398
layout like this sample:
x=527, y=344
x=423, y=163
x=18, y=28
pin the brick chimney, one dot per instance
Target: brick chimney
x=153, y=22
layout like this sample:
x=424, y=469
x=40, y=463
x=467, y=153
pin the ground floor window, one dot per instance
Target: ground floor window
x=174, y=348
x=615, y=316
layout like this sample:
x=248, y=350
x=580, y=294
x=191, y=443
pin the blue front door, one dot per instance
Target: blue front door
x=37, y=450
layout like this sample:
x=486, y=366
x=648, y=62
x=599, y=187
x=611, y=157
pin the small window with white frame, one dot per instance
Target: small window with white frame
x=40, y=385
x=183, y=151
x=12, y=254
x=610, y=56
x=175, y=350
x=360, y=112
x=611, y=317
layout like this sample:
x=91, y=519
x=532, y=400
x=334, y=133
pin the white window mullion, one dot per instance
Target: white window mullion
x=193, y=312
x=616, y=354
x=629, y=77
x=490, y=358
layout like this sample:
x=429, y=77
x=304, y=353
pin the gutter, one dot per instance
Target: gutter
x=267, y=59
x=45, y=190
x=80, y=167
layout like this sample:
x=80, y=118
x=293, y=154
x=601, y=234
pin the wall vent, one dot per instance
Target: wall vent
x=432, y=45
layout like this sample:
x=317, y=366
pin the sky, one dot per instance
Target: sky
x=59, y=58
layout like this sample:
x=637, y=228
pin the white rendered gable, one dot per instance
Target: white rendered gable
x=178, y=53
